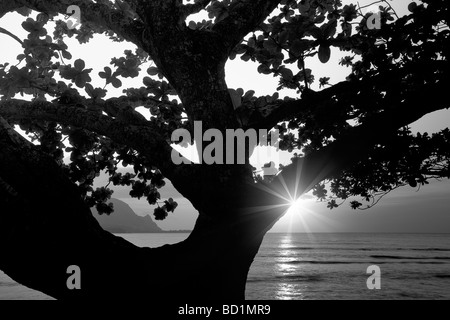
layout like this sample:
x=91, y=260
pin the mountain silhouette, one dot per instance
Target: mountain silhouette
x=125, y=220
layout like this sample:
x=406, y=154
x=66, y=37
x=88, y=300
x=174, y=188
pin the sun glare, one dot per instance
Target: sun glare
x=297, y=206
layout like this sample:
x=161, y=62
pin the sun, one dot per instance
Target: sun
x=297, y=206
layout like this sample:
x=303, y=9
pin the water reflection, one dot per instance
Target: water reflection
x=286, y=241
x=287, y=291
x=286, y=270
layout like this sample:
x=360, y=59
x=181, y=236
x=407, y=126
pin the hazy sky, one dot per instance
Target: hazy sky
x=404, y=210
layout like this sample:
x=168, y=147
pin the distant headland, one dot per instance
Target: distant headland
x=125, y=220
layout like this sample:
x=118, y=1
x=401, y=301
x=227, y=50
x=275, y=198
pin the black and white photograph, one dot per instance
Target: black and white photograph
x=224, y=156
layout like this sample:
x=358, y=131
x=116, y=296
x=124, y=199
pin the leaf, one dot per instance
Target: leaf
x=323, y=81
x=79, y=65
x=412, y=6
x=316, y=32
x=94, y=93
x=332, y=204
x=153, y=71
x=282, y=38
x=264, y=69
x=192, y=25
x=89, y=89
x=329, y=29
x=412, y=182
x=170, y=205
x=245, y=57
x=160, y=213
x=299, y=46
x=66, y=55
x=355, y=205
x=270, y=45
x=103, y=208
x=42, y=17
x=116, y=82
x=248, y=95
x=24, y=11
x=106, y=74
x=35, y=28
x=324, y=53
x=286, y=73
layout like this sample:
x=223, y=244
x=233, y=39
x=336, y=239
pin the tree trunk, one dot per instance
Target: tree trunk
x=212, y=263
x=45, y=227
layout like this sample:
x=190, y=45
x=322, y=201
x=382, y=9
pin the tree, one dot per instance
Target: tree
x=352, y=137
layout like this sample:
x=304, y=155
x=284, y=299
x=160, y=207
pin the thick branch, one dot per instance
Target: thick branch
x=306, y=172
x=45, y=227
x=387, y=81
x=197, y=75
x=285, y=110
x=144, y=138
x=28, y=223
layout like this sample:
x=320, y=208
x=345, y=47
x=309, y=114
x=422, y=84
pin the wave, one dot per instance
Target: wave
x=320, y=262
x=405, y=249
x=358, y=262
x=298, y=277
x=411, y=262
x=259, y=280
x=8, y=284
x=430, y=249
x=318, y=249
x=408, y=258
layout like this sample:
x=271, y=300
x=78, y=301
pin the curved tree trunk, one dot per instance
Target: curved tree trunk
x=45, y=227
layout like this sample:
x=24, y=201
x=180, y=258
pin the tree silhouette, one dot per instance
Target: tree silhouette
x=352, y=137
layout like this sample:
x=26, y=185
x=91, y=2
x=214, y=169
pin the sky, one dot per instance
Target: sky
x=404, y=210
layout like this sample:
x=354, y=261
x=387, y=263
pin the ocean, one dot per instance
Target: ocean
x=320, y=266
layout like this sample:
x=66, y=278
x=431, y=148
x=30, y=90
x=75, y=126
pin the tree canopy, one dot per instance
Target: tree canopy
x=351, y=138
x=396, y=74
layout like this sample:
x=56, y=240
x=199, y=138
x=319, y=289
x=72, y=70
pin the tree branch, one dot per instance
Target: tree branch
x=30, y=224
x=284, y=110
x=96, y=13
x=12, y=35
x=109, y=105
x=144, y=138
x=304, y=173
x=194, y=8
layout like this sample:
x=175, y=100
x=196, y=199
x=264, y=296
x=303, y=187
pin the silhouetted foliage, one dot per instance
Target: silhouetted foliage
x=388, y=68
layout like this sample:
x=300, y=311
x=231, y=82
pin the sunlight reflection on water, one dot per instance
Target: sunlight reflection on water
x=287, y=291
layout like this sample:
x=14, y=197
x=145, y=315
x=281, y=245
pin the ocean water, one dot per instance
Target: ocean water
x=326, y=266
x=334, y=266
